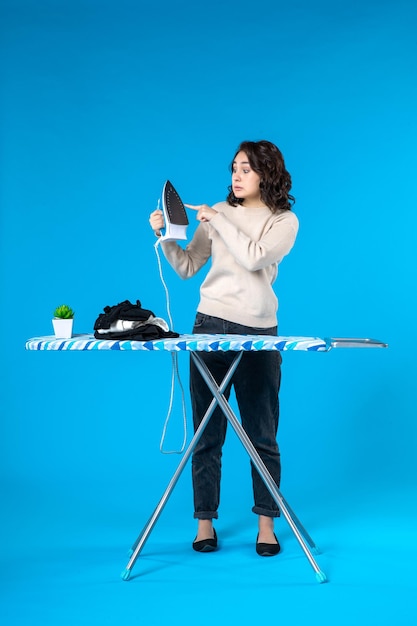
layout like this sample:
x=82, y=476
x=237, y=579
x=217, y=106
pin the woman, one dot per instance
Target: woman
x=246, y=237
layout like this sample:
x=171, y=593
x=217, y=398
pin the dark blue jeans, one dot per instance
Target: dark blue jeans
x=256, y=383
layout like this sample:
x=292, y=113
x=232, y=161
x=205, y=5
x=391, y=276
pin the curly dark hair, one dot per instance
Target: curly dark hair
x=266, y=160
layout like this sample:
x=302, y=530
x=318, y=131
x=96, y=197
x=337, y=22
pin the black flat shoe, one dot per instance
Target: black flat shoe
x=206, y=545
x=267, y=549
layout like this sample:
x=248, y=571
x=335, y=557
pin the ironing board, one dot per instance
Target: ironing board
x=210, y=343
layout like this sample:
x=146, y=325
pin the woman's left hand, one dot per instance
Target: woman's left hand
x=204, y=212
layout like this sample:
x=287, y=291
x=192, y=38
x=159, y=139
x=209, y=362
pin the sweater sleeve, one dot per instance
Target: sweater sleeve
x=274, y=244
x=186, y=262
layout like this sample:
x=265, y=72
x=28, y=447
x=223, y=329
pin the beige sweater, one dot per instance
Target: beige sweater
x=245, y=246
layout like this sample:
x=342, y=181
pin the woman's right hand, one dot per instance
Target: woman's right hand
x=156, y=220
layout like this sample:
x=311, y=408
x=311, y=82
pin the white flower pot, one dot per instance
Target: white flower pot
x=62, y=328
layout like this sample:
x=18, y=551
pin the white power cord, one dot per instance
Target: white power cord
x=175, y=373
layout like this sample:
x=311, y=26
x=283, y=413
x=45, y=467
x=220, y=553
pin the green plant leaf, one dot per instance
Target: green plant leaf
x=63, y=311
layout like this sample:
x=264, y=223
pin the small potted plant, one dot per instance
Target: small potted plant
x=63, y=321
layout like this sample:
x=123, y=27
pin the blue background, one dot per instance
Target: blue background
x=101, y=101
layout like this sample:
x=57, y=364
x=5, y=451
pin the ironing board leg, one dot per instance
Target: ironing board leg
x=314, y=548
x=260, y=466
x=143, y=536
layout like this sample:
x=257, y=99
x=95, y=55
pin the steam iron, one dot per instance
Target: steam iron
x=175, y=216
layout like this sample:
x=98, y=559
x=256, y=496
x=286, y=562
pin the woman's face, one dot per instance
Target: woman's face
x=245, y=182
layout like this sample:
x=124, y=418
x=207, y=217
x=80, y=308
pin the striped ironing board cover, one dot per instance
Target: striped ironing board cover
x=187, y=343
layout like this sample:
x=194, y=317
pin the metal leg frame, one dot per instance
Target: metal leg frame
x=143, y=536
x=295, y=525
x=218, y=398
